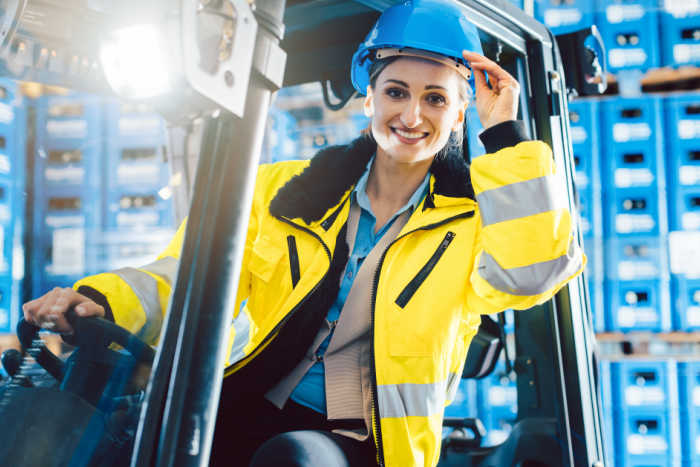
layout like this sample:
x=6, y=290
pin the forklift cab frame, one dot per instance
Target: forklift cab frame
x=558, y=420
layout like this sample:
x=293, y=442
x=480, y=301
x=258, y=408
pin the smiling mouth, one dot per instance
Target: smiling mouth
x=410, y=135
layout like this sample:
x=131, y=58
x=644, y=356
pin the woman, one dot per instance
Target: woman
x=365, y=270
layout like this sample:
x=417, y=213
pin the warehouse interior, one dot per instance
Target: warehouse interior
x=90, y=182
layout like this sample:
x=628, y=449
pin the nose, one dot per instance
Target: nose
x=411, y=114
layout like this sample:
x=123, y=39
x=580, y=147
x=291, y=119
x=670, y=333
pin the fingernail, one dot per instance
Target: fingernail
x=80, y=309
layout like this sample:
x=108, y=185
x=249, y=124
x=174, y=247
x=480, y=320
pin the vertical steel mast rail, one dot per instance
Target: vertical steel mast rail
x=179, y=414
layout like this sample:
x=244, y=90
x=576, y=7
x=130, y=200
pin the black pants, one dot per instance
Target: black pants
x=295, y=436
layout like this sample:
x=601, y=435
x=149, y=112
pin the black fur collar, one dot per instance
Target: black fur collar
x=335, y=169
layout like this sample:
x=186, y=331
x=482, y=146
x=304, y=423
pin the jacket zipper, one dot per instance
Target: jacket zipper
x=376, y=428
x=241, y=363
x=408, y=292
x=293, y=260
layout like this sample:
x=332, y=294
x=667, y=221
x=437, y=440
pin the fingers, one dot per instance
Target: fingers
x=502, y=77
x=49, y=310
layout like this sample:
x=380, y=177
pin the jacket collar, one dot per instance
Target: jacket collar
x=334, y=171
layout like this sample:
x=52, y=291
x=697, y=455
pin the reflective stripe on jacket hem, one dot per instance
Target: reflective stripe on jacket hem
x=415, y=399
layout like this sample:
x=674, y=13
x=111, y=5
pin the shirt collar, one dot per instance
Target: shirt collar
x=360, y=191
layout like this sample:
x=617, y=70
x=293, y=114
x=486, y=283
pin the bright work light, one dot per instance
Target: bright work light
x=187, y=57
x=136, y=63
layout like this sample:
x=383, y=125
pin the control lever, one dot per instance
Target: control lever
x=11, y=361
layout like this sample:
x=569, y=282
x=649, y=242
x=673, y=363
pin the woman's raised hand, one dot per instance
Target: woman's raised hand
x=497, y=99
x=48, y=311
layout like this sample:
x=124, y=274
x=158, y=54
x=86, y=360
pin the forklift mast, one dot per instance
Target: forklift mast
x=558, y=421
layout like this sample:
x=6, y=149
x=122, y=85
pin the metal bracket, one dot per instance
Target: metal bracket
x=222, y=78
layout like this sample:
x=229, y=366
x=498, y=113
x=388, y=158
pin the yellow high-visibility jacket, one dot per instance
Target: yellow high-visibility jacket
x=505, y=243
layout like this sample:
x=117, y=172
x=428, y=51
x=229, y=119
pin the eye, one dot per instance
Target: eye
x=395, y=93
x=436, y=99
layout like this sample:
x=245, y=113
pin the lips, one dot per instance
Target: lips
x=409, y=136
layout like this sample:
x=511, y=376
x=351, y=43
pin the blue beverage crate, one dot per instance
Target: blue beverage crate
x=645, y=385
x=133, y=123
x=136, y=165
x=634, y=212
x=680, y=33
x=69, y=121
x=66, y=223
x=632, y=143
x=638, y=305
x=607, y=410
x=686, y=303
x=648, y=438
x=594, y=274
x=6, y=320
x=636, y=257
x=497, y=399
x=465, y=402
x=562, y=17
x=630, y=30
x=137, y=208
x=122, y=248
x=62, y=165
x=685, y=208
x=682, y=118
x=689, y=379
x=12, y=135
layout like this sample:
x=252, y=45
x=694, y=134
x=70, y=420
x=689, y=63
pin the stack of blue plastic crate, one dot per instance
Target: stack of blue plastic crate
x=630, y=30
x=605, y=387
x=497, y=401
x=67, y=180
x=564, y=16
x=689, y=378
x=12, y=199
x=645, y=397
x=138, y=211
x=583, y=117
x=635, y=220
x=680, y=32
x=683, y=159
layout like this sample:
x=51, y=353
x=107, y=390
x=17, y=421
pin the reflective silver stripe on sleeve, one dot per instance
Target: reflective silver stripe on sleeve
x=521, y=199
x=146, y=289
x=533, y=279
x=411, y=399
x=453, y=385
x=241, y=324
x=165, y=267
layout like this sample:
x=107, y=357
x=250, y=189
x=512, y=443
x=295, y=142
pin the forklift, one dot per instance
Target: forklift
x=226, y=59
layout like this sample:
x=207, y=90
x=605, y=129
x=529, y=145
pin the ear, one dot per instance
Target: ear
x=368, y=104
x=460, y=118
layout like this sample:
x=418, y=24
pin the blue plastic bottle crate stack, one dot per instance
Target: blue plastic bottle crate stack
x=12, y=200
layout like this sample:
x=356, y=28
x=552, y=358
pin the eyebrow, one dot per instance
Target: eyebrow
x=404, y=84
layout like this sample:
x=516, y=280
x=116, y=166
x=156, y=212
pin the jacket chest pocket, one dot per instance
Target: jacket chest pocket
x=265, y=259
x=424, y=320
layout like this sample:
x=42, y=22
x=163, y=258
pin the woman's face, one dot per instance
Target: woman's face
x=414, y=106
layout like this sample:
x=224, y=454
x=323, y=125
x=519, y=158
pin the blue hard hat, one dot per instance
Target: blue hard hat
x=436, y=26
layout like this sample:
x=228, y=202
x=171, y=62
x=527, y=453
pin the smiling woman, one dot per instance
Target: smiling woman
x=366, y=269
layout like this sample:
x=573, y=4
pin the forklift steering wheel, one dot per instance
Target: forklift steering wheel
x=89, y=332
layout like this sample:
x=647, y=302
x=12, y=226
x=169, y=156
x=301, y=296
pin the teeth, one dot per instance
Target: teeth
x=409, y=134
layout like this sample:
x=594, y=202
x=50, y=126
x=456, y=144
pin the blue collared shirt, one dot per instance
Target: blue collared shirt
x=311, y=390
